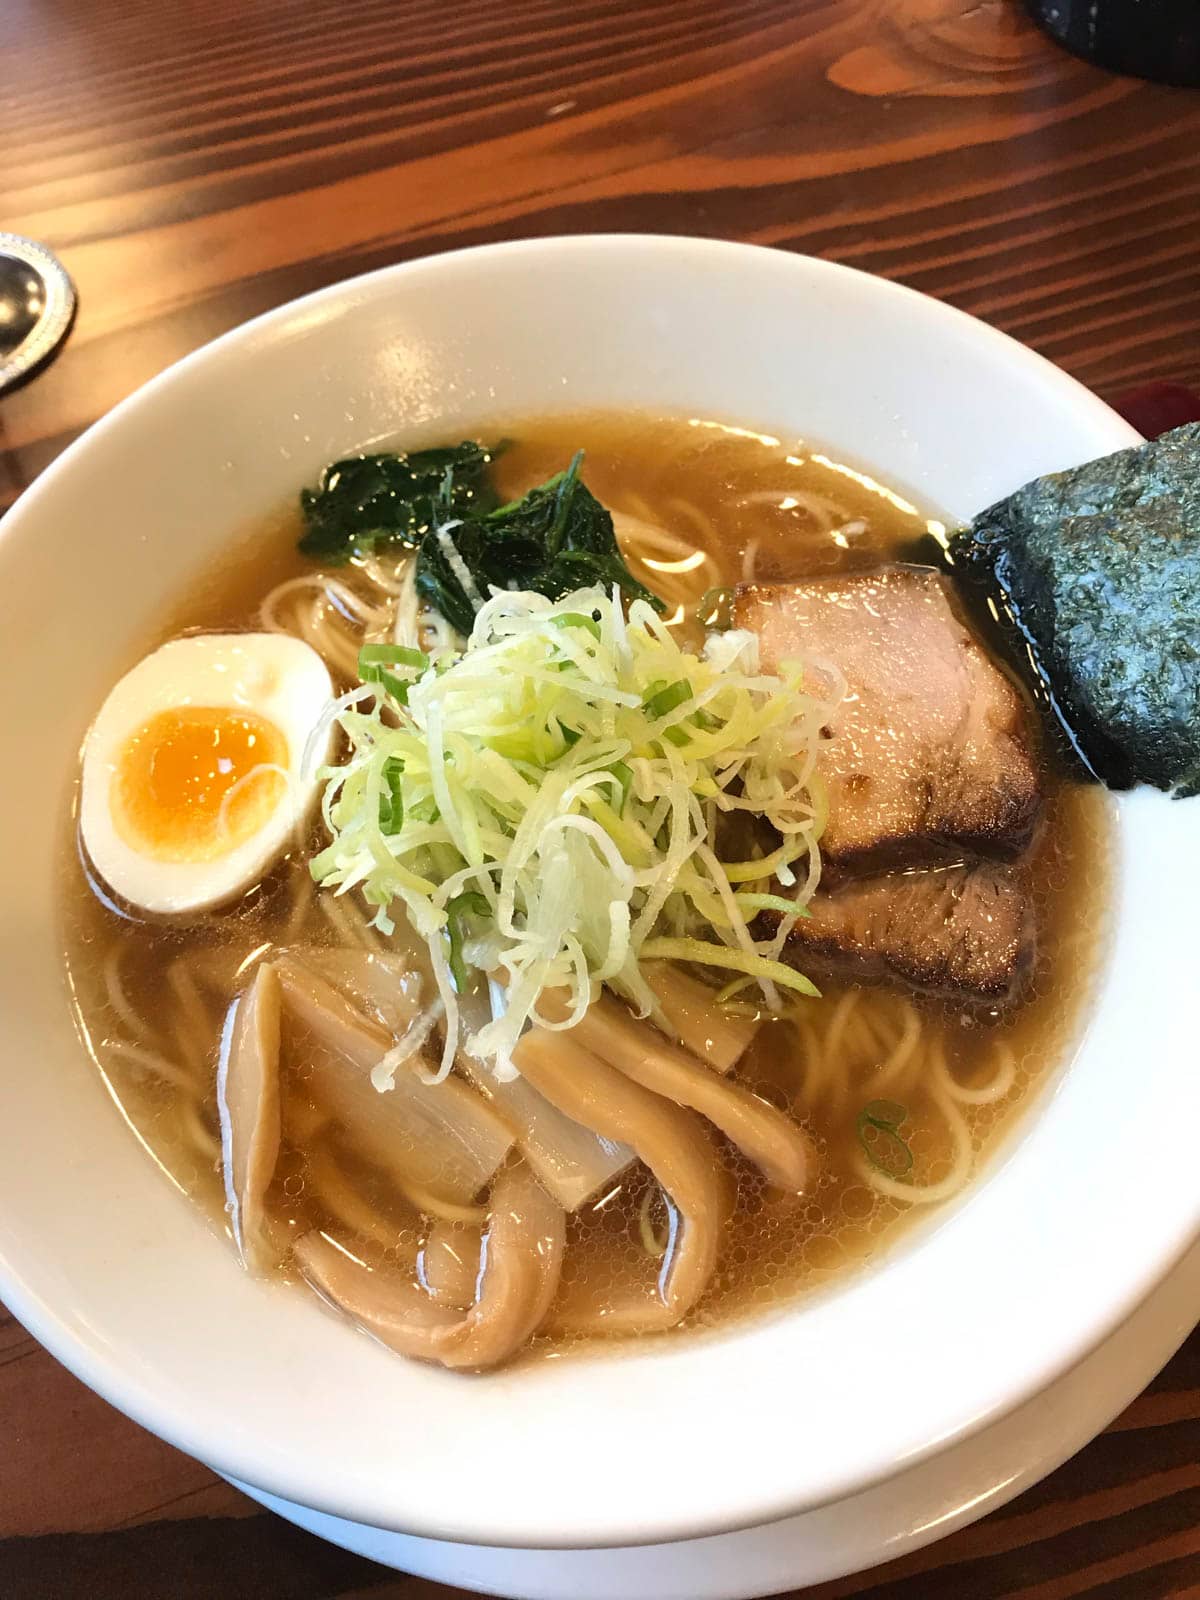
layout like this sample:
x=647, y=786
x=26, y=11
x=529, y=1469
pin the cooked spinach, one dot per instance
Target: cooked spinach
x=365, y=503
x=557, y=539
x=1097, y=572
x=441, y=503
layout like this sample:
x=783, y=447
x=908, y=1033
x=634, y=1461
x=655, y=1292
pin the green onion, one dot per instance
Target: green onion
x=664, y=699
x=772, y=902
x=576, y=619
x=878, y=1127
x=721, y=955
x=765, y=866
x=395, y=686
x=734, y=987
x=374, y=659
x=391, y=804
x=660, y=701
x=526, y=761
x=394, y=655
x=887, y=1113
x=624, y=776
x=470, y=903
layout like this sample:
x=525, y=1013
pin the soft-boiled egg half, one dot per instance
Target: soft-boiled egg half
x=195, y=773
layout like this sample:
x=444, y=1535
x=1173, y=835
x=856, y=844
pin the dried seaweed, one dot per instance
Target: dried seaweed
x=1098, y=568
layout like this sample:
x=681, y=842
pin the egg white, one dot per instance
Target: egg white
x=271, y=674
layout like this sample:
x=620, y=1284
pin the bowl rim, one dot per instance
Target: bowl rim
x=116, y=1379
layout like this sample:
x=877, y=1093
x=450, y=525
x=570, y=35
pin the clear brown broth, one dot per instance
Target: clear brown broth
x=755, y=508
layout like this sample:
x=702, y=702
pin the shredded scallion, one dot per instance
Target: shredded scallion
x=563, y=786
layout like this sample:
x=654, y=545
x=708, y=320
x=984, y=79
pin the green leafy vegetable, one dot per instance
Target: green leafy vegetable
x=470, y=903
x=559, y=538
x=366, y=503
x=878, y=1127
x=442, y=504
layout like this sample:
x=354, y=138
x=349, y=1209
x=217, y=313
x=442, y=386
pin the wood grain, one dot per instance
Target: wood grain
x=196, y=167
x=197, y=163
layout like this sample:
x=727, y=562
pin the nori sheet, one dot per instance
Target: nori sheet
x=1099, y=570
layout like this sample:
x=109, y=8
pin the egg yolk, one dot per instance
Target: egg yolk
x=194, y=783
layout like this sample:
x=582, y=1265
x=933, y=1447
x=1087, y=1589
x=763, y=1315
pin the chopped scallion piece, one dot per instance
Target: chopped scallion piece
x=393, y=655
x=470, y=903
x=624, y=776
x=395, y=686
x=374, y=660
x=772, y=902
x=663, y=700
x=878, y=1127
x=391, y=801
x=576, y=619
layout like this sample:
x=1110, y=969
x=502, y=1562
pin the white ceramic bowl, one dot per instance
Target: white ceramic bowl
x=116, y=1273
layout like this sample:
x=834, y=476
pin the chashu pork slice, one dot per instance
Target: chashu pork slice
x=962, y=932
x=930, y=754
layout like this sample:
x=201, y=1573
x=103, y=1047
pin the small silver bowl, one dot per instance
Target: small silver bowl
x=37, y=303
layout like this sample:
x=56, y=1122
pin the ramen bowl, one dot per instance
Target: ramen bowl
x=1053, y=1244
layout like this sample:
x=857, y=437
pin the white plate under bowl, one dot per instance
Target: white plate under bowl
x=129, y=1286
x=902, y=1514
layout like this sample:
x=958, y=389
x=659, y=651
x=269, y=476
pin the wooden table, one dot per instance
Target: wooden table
x=197, y=163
